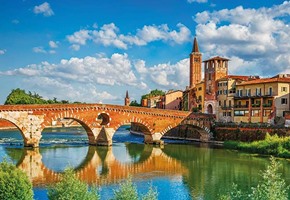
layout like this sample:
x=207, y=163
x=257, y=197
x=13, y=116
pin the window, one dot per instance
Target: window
x=230, y=103
x=199, y=88
x=220, y=103
x=209, y=77
x=225, y=103
x=240, y=93
x=258, y=91
x=283, y=89
x=229, y=114
x=270, y=91
x=248, y=92
x=255, y=113
x=284, y=101
x=225, y=92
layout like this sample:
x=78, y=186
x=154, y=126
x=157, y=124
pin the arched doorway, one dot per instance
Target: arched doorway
x=209, y=109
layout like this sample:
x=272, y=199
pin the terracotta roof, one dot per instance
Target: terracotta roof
x=216, y=58
x=243, y=78
x=266, y=80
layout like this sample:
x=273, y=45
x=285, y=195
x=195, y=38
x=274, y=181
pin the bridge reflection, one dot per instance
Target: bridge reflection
x=101, y=166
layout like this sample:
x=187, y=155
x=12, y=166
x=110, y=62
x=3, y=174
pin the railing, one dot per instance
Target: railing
x=241, y=106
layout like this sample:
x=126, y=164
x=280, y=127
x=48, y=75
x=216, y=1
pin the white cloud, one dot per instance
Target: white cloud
x=2, y=51
x=75, y=47
x=108, y=35
x=250, y=36
x=165, y=75
x=43, y=9
x=80, y=37
x=198, y=1
x=39, y=49
x=67, y=91
x=116, y=70
x=53, y=44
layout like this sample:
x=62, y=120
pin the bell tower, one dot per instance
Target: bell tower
x=195, y=65
x=127, y=99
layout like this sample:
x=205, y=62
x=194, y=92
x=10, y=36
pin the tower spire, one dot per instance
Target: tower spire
x=127, y=99
x=195, y=46
x=127, y=94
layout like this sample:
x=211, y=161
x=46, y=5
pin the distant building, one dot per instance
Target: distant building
x=262, y=100
x=127, y=99
x=195, y=60
x=200, y=96
x=189, y=99
x=172, y=100
x=226, y=91
x=214, y=69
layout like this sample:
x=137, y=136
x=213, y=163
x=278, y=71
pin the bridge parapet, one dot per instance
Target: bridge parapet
x=99, y=120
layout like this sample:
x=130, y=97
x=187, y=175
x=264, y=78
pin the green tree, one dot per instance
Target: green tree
x=127, y=191
x=135, y=103
x=272, y=186
x=71, y=188
x=14, y=184
x=151, y=194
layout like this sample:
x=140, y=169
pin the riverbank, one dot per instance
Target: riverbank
x=271, y=145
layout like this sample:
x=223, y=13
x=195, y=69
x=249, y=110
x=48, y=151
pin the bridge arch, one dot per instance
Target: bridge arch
x=18, y=125
x=84, y=124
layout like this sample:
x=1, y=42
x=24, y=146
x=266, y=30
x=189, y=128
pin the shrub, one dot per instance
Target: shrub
x=128, y=191
x=14, y=184
x=271, y=187
x=71, y=188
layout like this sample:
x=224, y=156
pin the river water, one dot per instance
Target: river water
x=178, y=171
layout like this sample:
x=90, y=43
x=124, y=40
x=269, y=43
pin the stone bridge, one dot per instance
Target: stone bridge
x=100, y=166
x=101, y=121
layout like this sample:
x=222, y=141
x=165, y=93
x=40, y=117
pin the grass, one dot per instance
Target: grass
x=272, y=145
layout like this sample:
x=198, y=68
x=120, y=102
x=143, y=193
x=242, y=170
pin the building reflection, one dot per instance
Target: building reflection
x=101, y=166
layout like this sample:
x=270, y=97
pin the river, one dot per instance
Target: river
x=178, y=171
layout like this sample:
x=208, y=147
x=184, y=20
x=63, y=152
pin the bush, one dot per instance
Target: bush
x=128, y=191
x=272, y=187
x=14, y=184
x=71, y=188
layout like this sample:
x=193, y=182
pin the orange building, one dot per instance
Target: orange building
x=214, y=69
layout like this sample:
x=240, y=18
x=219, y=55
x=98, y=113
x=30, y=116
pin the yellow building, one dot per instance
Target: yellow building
x=200, y=96
x=261, y=100
x=226, y=91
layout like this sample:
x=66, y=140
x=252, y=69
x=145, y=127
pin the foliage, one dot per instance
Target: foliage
x=151, y=194
x=71, y=188
x=153, y=93
x=14, y=184
x=135, y=103
x=128, y=191
x=272, y=186
x=18, y=96
x=271, y=145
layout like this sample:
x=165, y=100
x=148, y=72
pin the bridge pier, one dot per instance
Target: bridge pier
x=153, y=139
x=105, y=136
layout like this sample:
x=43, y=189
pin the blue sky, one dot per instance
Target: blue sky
x=94, y=50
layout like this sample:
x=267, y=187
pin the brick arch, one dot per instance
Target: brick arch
x=16, y=123
x=136, y=120
x=66, y=115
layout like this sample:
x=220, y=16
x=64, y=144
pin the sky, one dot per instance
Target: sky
x=94, y=50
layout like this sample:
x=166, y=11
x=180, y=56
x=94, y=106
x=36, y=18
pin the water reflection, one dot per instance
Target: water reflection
x=99, y=165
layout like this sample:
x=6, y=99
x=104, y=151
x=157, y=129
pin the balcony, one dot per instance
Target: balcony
x=241, y=106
